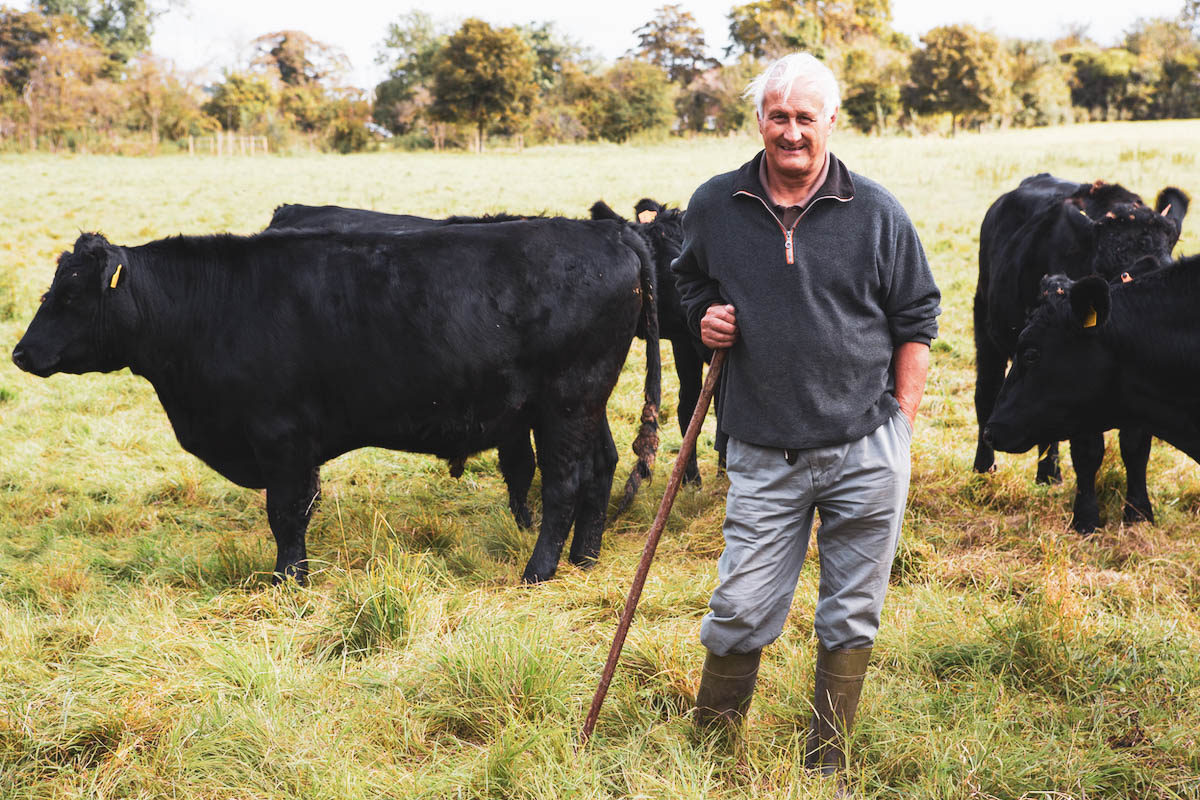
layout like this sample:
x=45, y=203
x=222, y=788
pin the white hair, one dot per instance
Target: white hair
x=784, y=73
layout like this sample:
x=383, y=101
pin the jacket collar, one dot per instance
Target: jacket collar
x=837, y=183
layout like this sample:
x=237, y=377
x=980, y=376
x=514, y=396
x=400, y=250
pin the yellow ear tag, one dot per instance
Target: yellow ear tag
x=1090, y=320
x=116, y=276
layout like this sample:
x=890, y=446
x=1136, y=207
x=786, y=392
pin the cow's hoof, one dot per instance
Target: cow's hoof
x=984, y=464
x=534, y=575
x=1136, y=512
x=1049, y=477
x=1086, y=523
x=290, y=574
x=585, y=561
x=691, y=476
x=523, y=516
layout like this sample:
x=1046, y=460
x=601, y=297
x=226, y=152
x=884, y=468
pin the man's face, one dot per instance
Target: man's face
x=795, y=131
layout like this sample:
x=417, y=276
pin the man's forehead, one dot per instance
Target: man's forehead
x=799, y=94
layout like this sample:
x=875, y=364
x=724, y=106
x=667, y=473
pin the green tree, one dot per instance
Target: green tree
x=958, y=70
x=243, y=101
x=770, y=28
x=552, y=51
x=637, y=100
x=1103, y=80
x=1190, y=16
x=22, y=32
x=1167, y=54
x=409, y=51
x=347, y=131
x=160, y=102
x=484, y=76
x=64, y=95
x=300, y=59
x=872, y=71
x=122, y=27
x=675, y=42
x=563, y=67
x=1041, y=88
x=714, y=98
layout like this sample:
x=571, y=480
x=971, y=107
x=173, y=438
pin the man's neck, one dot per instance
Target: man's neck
x=783, y=192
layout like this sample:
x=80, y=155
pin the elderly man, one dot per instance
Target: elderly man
x=815, y=280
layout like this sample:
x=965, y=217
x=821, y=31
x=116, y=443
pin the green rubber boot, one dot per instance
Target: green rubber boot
x=838, y=682
x=726, y=686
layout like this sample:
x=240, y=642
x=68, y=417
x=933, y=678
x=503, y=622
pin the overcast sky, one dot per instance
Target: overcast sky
x=212, y=34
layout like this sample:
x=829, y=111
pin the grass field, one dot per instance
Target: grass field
x=144, y=653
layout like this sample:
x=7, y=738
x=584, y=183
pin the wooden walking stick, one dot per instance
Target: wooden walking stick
x=660, y=521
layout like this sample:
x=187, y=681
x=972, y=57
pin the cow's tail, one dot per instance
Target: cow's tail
x=645, y=446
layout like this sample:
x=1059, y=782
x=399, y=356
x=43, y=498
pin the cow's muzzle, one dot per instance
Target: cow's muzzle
x=1006, y=440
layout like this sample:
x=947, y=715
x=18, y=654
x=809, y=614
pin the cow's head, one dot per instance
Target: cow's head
x=1133, y=238
x=662, y=227
x=1062, y=374
x=72, y=329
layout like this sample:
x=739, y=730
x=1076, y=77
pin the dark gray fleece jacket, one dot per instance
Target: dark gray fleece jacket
x=820, y=308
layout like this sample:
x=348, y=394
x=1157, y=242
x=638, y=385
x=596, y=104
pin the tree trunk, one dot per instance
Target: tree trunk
x=479, y=139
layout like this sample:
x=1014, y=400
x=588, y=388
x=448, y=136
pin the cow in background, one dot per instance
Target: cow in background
x=1095, y=356
x=274, y=353
x=1049, y=226
x=663, y=228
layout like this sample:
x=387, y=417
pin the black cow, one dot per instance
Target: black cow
x=351, y=220
x=663, y=227
x=516, y=457
x=663, y=233
x=273, y=353
x=1049, y=226
x=1095, y=356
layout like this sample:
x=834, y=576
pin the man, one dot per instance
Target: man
x=814, y=279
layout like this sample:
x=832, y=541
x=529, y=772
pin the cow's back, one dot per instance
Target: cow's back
x=442, y=341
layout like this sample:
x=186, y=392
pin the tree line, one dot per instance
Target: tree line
x=79, y=75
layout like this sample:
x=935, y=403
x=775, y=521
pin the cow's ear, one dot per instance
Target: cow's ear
x=602, y=210
x=1078, y=220
x=1090, y=301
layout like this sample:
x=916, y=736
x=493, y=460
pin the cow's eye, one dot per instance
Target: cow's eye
x=1030, y=356
x=42, y=299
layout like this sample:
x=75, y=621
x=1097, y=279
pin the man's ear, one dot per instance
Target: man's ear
x=1090, y=301
x=833, y=118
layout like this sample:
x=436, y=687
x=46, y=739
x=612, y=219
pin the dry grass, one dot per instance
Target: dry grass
x=144, y=653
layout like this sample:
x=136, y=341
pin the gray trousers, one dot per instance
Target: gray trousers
x=859, y=489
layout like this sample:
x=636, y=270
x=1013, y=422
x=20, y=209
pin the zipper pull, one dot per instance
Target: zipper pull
x=787, y=244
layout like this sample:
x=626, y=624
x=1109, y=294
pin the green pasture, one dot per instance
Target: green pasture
x=144, y=653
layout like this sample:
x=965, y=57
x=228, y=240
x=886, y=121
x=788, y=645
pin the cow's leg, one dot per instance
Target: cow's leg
x=563, y=455
x=1087, y=452
x=290, y=503
x=1135, y=452
x=594, y=492
x=989, y=375
x=1048, y=469
x=516, y=465
x=688, y=366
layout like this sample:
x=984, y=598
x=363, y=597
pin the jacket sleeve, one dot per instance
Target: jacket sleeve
x=697, y=289
x=913, y=302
